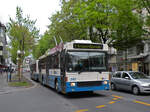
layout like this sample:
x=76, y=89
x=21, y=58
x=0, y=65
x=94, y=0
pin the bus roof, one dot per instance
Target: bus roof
x=85, y=45
x=76, y=45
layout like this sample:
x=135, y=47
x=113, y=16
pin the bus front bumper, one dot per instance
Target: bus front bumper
x=75, y=88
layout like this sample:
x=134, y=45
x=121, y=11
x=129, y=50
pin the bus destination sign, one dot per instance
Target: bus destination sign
x=87, y=46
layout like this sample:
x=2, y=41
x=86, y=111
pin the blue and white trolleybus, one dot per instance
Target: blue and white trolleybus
x=76, y=66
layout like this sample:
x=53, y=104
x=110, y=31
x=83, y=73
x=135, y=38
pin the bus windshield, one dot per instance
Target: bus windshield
x=86, y=61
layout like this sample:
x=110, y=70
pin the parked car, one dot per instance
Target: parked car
x=137, y=82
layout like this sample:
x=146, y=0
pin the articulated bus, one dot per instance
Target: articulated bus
x=34, y=68
x=76, y=66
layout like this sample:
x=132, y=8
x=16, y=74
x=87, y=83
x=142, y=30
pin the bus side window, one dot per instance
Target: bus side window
x=57, y=60
x=52, y=64
x=47, y=65
x=62, y=62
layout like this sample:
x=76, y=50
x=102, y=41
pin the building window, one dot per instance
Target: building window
x=120, y=53
x=1, y=48
x=131, y=51
x=140, y=48
x=148, y=47
x=1, y=32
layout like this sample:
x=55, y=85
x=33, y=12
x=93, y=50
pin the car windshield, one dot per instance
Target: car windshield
x=86, y=61
x=138, y=75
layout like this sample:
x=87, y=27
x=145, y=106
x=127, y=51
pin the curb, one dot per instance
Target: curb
x=21, y=89
x=2, y=93
x=24, y=88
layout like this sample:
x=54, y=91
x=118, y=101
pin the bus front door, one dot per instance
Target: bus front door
x=62, y=69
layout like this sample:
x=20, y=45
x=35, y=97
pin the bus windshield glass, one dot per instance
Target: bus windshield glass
x=86, y=61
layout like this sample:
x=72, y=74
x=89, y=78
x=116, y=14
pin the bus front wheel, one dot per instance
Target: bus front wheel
x=56, y=86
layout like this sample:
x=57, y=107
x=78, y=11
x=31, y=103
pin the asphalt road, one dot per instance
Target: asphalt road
x=44, y=99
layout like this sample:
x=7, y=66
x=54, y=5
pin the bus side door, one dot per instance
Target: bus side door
x=62, y=70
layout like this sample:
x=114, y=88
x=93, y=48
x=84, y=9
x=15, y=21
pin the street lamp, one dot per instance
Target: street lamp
x=18, y=52
x=17, y=59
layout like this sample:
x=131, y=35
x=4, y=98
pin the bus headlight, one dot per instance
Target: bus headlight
x=105, y=82
x=72, y=84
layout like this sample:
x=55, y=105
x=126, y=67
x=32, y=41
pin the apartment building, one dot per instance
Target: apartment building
x=3, y=43
x=112, y=60
x=136, y=58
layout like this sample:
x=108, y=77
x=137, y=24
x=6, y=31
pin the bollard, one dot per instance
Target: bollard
x=8, y=77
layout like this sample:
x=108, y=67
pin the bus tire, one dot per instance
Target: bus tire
x=56, y=86
x=42, y=82
x=113, y=86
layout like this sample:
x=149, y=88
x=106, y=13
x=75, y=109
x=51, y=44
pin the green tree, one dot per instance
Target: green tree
x=127, y=25
x=95, y=14
x=97, y=20
x=65, y=23
x=145, y=4
x=22, y=33
x=80, y=19
x=45, y=43
x=143, y=8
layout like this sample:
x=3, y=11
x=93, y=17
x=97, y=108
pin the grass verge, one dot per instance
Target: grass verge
x=16, y=83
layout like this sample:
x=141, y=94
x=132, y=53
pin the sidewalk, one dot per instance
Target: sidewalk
x=5, y=88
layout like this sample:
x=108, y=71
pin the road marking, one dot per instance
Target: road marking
x=82, y=110
x=120, y=97
x=111, y=102
x=100, y=106
x=147, y=104
x=115, y=99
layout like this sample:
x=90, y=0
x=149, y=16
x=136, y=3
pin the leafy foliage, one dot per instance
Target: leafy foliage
x=116, y=21
x=126, y=25
x=22, y=33
x=44, y=43
x=143, y=8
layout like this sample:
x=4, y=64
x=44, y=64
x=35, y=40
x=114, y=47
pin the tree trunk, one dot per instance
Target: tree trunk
x=126, y=63
x=19, y=69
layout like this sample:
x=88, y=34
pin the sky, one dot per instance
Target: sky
x=37, y=9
